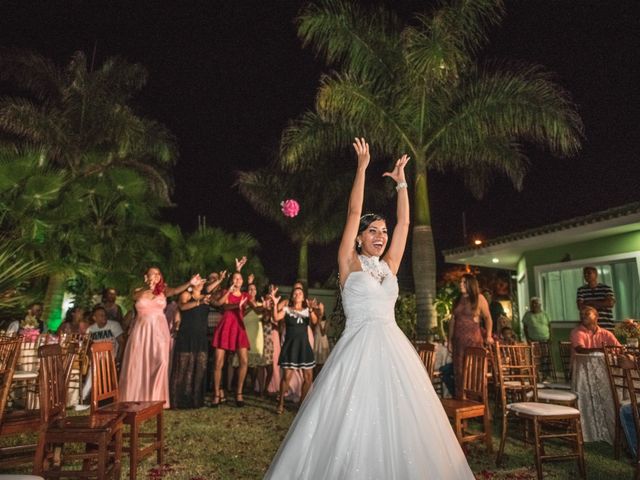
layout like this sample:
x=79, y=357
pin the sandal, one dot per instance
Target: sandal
x=239, y=400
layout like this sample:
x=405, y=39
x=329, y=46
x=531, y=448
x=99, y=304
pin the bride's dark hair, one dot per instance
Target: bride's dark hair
x=365, y=221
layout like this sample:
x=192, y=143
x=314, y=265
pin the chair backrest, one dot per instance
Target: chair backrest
x=70, y=353
x=628, y=364
x=544, y=362
x=612, y=354
x=104, y=375
x=9, y=351
x=475, y=374
x=565, y=358
x=427, y=353
x=53, y=387
x=516, y=372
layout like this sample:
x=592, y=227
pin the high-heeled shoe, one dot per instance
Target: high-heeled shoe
x=239, y=401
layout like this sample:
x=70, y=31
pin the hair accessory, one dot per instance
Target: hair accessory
x=401, y=185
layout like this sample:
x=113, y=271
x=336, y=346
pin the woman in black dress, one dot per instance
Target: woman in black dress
x=296, y=352
x=191, y=350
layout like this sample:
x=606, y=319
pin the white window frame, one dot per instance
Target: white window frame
x=539, y=269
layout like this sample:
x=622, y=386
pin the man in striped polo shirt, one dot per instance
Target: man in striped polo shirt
x=598, y=296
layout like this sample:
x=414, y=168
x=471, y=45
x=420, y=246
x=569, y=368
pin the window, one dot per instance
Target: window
x=558, y=285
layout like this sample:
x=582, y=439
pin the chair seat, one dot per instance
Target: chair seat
x=542, y=409
x=451, y=405
x=559, y=386
x=130, y=407
x=555, y=395
x=86, y=423
x=17, y=421
x=24, y=375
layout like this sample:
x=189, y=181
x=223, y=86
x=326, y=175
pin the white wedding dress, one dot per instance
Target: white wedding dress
x=372, y=412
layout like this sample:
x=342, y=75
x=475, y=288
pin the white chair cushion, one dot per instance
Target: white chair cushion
x=558, y=395
x=559, y=386
x=24, y=375
x=542, y=409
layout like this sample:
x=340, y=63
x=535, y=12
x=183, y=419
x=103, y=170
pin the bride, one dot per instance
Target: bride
x=372, y=412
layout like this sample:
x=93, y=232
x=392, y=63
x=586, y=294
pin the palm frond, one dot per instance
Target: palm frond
x=521, y=102
x=360, y=40
x=16, y=272
x=34, y=73
x=354, y=104
x=310, y=138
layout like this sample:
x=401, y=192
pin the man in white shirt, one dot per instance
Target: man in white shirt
x=103, y=330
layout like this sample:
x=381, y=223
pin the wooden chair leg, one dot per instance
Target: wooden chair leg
x=160, y=438
x=38, y=459
x=503, y=438
x=103, y=456
x=617, y=440
x=458, y=428
x=580, y=448
x=538, y=452
x=487, y=431
x=117, y=459
x=133, y=450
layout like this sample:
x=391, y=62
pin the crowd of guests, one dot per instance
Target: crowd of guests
x=162, y=346
x=478, y=320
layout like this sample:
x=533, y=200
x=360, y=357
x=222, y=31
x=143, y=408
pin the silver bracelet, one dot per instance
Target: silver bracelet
x=401, y=185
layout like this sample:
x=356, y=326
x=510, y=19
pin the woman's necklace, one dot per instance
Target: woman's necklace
x=373, y=267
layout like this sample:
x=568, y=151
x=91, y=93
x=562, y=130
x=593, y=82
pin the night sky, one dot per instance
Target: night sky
x=227, y=75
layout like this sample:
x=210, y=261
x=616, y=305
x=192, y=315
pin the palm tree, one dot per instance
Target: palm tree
x=81, y=117
x=321, y=193
x=415, y=87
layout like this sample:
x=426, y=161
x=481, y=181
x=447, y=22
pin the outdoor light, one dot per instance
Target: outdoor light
x=477, y=242
x=495, y=260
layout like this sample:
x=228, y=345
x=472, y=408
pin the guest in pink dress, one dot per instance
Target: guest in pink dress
x=230, y=335
x=145, y=370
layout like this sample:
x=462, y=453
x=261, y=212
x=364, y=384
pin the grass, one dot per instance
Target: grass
x=238, y=444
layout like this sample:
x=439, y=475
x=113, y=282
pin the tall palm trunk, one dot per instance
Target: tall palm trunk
x=53, y=297
x=423, y=254
x=303, y=262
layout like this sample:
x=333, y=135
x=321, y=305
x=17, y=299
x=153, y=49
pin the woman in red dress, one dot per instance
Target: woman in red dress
x=231, y=336
x=464, y=327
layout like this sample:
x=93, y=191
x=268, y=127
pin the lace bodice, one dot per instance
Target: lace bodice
x=366, y=299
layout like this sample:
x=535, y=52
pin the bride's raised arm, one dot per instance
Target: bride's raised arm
x=401, y=231
x=347, y=250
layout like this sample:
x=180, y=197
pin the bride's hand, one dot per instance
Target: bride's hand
x=397, y=173
x=362, y=150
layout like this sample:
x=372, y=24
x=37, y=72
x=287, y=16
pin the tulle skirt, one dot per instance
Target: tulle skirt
x=372, y=414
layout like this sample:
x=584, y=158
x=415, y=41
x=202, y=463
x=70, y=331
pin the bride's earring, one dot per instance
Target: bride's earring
x=359, y=244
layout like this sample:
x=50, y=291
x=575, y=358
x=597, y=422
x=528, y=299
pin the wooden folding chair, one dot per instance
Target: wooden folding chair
x=474, y=402
x=565, y=349
x=101, y=434
x=628, y=366
x=515, y=367
x=618, y=389
x=9, y=351
x=104, y=400
x=80, y=364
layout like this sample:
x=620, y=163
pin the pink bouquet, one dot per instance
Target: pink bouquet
x=290, y=208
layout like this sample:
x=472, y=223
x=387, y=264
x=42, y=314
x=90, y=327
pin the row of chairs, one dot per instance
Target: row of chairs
x=552, y=414
x=101, y=431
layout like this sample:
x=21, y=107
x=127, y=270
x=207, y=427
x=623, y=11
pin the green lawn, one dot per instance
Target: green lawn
x=233, y=443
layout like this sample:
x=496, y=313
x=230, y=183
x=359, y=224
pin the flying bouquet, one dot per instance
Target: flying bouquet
x=290, y=208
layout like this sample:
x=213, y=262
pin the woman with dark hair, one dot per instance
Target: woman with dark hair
x=296, y=352
x=71, y=323
x=230, y=335
x=190, y=350
x=145, y=366
x=372, y=412
x=464, y=326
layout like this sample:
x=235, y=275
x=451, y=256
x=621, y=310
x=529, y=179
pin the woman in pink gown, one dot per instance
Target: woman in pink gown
x=145, y=366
